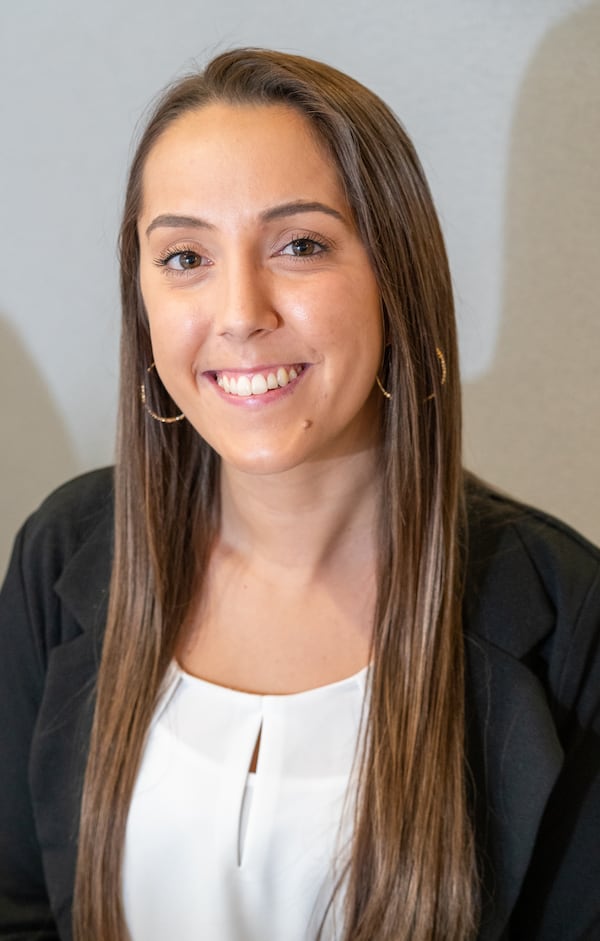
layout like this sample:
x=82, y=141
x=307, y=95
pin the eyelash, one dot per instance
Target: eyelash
x=314, y=237
x=162, y=261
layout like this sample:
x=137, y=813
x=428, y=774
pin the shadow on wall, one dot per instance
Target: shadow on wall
x=532, y=424
x=36, y=451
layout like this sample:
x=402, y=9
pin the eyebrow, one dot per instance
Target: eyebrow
x=293, y=208
x=171, y=221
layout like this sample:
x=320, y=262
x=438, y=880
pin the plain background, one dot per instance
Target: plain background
x=502, y=98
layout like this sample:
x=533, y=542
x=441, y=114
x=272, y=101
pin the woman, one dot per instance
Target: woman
x=335, y=689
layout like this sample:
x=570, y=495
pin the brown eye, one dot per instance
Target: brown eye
x=185, y=260
x=188, y=260
x=303, y=247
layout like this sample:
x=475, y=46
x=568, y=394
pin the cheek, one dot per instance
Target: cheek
x=178, y=329
x=354, y=325
x=176, y=340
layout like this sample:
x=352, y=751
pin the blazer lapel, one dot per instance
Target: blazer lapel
x=514, y=757
x=61, y=740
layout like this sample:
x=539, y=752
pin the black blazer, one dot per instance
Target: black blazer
x=532, y=626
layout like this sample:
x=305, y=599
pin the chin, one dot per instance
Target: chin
x=261, y=464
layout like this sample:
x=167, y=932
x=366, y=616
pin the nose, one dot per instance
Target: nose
x=245, y=304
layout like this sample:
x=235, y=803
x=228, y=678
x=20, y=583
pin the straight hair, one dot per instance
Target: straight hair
x=410, y=873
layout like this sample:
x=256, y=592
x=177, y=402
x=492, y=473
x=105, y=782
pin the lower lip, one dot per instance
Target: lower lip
x=266, y=398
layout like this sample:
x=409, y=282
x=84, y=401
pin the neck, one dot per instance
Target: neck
x=305, y=520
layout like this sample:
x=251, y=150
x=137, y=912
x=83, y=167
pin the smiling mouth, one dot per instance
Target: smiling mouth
x=257, y=383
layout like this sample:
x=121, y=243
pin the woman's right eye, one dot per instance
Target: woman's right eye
x=182, y=260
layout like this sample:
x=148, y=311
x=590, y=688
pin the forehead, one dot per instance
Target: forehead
x=244, y=153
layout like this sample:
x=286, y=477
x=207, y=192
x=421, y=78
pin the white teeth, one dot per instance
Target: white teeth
x=243, y=386
x=258, y=384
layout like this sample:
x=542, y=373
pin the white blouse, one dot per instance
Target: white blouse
x=215, y=852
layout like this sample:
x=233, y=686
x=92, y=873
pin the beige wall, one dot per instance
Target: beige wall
x=533, y=419
x=502, y=100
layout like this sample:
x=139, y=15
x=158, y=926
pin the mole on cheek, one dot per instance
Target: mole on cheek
x=306, y=424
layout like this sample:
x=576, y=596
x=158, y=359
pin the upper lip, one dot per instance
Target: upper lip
x=251, y=370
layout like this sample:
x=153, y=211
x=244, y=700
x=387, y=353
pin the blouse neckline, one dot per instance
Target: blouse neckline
x=177, y=672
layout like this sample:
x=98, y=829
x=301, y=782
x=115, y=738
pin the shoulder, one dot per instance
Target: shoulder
x=532, y=585
x=76, y=512
x=61, y=561
x=518, y=556
x=72, y=511
x=494, y=517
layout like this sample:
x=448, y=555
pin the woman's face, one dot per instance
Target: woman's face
x=263, y=307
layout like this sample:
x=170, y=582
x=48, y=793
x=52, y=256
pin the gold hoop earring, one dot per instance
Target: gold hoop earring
x=443, y=377
x=442, y=360
x=383, y=391
x=444, y=371
x=160, y=418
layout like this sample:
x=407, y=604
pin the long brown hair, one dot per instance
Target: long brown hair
x=411, y=873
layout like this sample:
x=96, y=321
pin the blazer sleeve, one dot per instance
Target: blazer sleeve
x=24, y=906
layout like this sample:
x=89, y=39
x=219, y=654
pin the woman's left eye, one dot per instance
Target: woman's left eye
x=303, y=248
